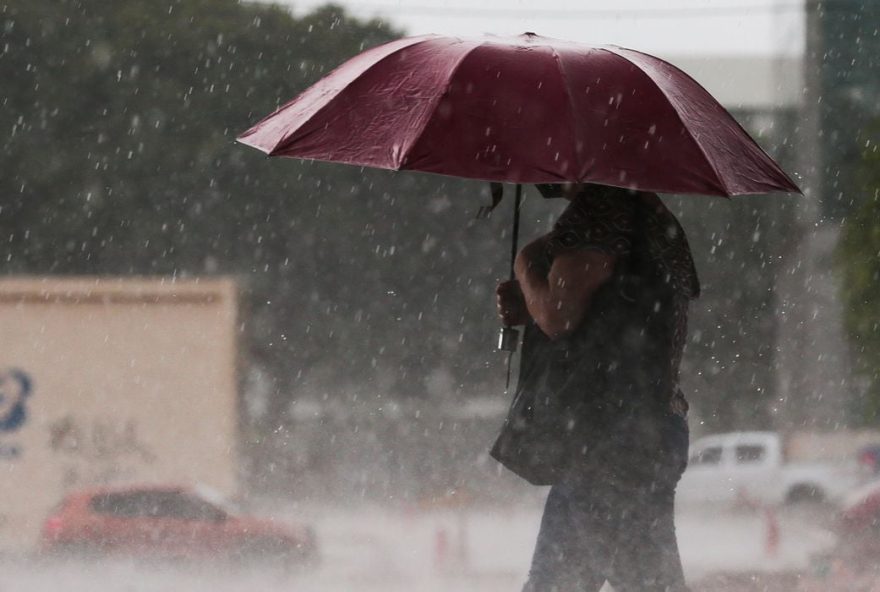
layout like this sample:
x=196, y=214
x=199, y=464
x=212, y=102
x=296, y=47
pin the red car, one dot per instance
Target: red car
x=168, y=522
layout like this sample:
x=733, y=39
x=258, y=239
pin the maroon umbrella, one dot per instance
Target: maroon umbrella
x=526, y=109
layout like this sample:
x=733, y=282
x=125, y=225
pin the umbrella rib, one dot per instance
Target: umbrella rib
x=745, y=134
x=429, y=113
x=291, y=138
x=684, y=124
x=243, y=138
x=574, y=112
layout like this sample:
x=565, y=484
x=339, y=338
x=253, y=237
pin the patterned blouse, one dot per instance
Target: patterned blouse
x=626, y=224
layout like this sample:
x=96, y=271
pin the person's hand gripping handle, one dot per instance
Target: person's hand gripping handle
x=512, y=311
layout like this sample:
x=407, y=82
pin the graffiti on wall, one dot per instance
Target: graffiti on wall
x=98, y=450
x=15, y=389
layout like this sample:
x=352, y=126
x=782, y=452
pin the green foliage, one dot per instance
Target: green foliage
x=127, y=114
x=859, y=261
x=849, y=86
x=119, y=158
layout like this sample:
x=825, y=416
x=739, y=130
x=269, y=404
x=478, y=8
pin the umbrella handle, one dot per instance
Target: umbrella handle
x=508, y=338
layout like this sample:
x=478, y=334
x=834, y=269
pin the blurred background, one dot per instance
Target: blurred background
x=315, y=342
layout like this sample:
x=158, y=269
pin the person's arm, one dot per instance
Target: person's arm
x=558, y=295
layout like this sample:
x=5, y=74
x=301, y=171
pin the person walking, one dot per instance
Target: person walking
x=604, y=299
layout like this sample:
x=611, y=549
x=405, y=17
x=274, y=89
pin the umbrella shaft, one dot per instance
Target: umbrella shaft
x=515, y=238
x=508, y=339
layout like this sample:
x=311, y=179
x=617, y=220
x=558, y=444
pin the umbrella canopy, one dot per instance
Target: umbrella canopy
x=526, y=109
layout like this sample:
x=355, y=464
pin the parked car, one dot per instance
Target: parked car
x=168, y=522
x=752, y=467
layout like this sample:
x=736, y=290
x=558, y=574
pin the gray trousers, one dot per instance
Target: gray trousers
x=615, y=523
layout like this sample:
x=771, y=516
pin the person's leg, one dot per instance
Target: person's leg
x=560, y=563
x=646, y=548
x=646, y=557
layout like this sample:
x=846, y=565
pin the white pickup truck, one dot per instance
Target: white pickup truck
x=752, y=467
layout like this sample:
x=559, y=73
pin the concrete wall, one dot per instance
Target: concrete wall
x=112, y=381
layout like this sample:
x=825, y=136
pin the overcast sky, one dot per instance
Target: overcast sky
x=672, y=27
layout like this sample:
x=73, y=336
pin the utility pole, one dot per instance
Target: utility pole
x=813, y=367
x=810, y=127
